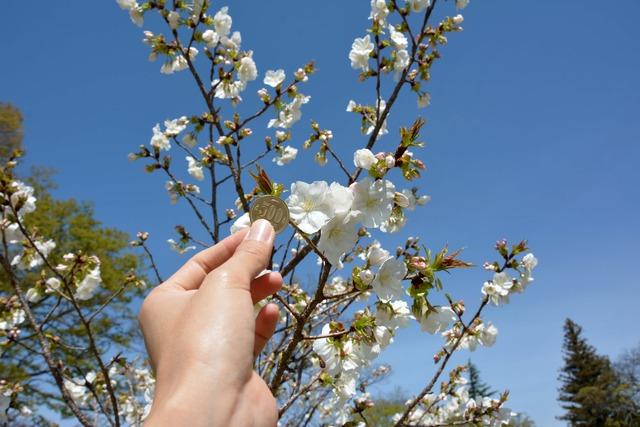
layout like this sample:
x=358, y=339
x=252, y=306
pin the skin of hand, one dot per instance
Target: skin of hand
x=202, y=335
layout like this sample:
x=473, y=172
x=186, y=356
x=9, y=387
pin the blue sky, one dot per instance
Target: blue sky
x=532, y=133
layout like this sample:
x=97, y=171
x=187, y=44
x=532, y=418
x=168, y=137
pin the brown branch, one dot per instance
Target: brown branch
x=298, y=333
x=295, y=396
x=396, y=90
x=53, y=366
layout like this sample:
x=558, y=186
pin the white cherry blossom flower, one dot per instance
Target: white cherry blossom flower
x=194, y=168
x=22, y=194
x=286, y=155
x=290, y=113
x=34, y=259
x=12, y=319
x=340, y=198
x=12, y=233
x=176, y=126
x=461, y=4
x=373, y=201
x=339, y=357
x=419, y=5
x=174, y=19
x=53, y=284
x=488, y=334
x=274, y=78
x=366, y=276
x=127, y=4
x=529, y=262
x=233, y=42
x=379, y=10
x=388, y=282
x=178, y=247
x=364, y=158
x=309, y=205
x=159, y=140
x=136, y=16
x=360, y=51
x=227, y=89
x=398, y=38
x=33, y=295
x=498, y=289
x=247, y=70
x=87, y=287
x=393, y=314
x=211, y=38
x=338, y=236
x=222, y=22
x=436, y=320
x=424, y=99
x=375, y=254
x=244, y=221
x=402, y=60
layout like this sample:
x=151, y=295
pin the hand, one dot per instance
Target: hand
x=202, y=335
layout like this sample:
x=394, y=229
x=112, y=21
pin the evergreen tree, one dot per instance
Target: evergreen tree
x=477, y=388
x=10, y=130
x=591, y=393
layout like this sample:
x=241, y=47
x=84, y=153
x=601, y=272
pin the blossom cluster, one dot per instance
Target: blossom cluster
x=454, y=406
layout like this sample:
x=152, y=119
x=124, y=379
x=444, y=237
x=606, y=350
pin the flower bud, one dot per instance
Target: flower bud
x=458, y=19
x=401, y=200
x=390, y=161
x=366, y=276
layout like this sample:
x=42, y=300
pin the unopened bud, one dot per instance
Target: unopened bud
x=366, y=276
x=390, y=161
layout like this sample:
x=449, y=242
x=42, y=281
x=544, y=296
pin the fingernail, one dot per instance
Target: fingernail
x=261, y=230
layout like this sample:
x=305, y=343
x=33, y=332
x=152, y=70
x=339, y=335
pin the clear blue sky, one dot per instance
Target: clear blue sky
x=532, y=133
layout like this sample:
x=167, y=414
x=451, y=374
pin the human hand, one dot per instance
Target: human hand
x=202, y=335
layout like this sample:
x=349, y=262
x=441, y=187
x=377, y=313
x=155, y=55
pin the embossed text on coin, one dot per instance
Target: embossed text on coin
x=273, y=209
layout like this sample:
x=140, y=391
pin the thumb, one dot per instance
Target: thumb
x=251, y=256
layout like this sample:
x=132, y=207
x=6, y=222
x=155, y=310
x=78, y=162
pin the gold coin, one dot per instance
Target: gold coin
x=273, y=209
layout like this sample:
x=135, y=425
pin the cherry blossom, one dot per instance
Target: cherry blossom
x=418, y=5
x=244, y=221
x=364, y=158
x=194, y=168
x=285, y=155
x=388, y=281
x=247, y=70
x=310, y=205
x=87, y=287
x=274, y=78
x=338, y=236
x=159, y=140
x=373, y=200
x=360, y=51
x=290, y=113
x=222, y=22
x=436, y=319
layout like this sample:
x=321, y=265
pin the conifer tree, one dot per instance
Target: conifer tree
x=477, y=387
x=591, y=393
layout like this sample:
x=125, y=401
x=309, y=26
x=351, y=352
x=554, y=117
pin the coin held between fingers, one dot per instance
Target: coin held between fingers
x=273, y=209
